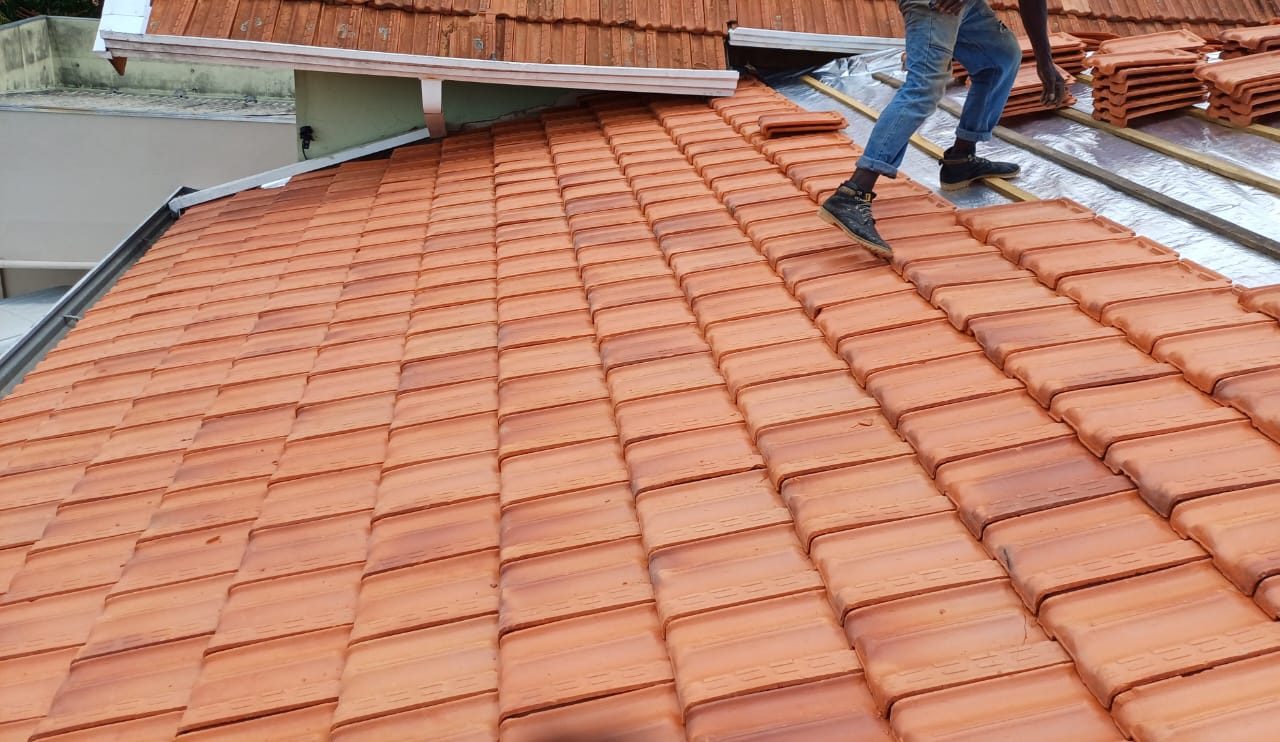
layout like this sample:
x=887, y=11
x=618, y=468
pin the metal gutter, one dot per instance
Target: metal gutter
x=354, y=61
x=33, y=346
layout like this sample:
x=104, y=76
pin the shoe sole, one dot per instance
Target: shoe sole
x=966, y=183
x=871, y=247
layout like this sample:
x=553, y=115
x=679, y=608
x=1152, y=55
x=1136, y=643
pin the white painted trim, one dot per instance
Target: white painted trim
x=271, y=177
x=57, y=265
x=433, y=106
x=123, y=16
x=351, y=61
x=814, y=42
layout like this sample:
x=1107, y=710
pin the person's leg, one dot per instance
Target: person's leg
x=991, y=55
x=930, y=37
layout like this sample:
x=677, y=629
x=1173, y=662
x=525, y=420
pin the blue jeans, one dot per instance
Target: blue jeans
x=979, y=41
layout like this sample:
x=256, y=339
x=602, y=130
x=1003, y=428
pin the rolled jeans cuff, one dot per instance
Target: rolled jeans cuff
x=970, y=135
x=877, y=166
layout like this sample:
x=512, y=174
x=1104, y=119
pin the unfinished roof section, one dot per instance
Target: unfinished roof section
x=678, y=35
x=587, y=424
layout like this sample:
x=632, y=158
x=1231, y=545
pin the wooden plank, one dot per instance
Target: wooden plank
x=1159, y=199
x=999, y=185
x=1178, y=152
x=1261, y=130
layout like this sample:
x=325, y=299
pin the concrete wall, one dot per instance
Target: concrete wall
x=345, y=111
x=73, y=185
x=26, y=56
x=44, y=53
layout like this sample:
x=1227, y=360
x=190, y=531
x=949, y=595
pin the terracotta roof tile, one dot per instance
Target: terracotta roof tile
x=311, y=720
x=552, y=472
x=51, y=623
x=1107, y=414
x=1177, y=607
x=581, y=659
x=1231, y=699
x=735, y=651
x=267, y=677
x=943, y=638
x=30, y=683
x=143, y=618
x=115, y=516
x=1171, y=469
x=995, y=486
x=1049, y=703
x=568, y=521
x=125, y=686
x=651, y=714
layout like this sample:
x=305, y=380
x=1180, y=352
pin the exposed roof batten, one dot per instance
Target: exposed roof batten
x=324, y=59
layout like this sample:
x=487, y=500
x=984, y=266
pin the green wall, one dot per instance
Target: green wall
x=349, y=110
x=44, y=53
x=473, y=102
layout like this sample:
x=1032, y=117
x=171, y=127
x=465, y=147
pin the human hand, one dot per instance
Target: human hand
x=948, y=7
x=1055, y=88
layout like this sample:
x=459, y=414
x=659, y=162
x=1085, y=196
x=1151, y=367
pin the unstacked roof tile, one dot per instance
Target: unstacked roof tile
x=586, y=424
x=1141, y=76
x=1244, y=89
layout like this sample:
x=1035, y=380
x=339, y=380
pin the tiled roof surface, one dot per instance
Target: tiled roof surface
x=586, y=423
x=687, y=35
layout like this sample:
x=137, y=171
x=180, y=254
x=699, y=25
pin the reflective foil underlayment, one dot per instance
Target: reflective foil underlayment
x=1245, y=205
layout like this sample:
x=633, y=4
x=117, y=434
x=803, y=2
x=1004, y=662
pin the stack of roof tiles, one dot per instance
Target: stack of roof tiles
x=1145, y=75
x=1244, y=89
x=1238, y=42
x=585, y=427
x=687, y=34
x=1068, y=54
x=1027, y=89
x=1164, y=41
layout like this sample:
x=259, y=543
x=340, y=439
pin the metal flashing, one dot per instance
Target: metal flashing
x=814, y=42
x=269, y=177
x=28, y=351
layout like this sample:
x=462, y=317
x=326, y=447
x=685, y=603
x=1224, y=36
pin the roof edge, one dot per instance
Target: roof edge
x=352, y=61
x=222, y=190
x=46, y=333
x=811, y=42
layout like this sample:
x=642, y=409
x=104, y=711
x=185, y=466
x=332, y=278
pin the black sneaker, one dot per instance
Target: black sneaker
x=850, y=210
x=960, y=173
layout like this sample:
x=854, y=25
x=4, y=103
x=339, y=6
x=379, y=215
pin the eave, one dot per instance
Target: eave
x=352, y=61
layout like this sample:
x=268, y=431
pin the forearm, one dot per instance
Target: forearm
x=1035, y=20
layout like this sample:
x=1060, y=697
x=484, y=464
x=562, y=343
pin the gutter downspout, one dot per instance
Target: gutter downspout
x=51, y=328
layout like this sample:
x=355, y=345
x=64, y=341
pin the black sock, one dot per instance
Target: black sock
x=952, y=154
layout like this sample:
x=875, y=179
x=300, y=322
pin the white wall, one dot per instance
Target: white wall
x=73, y=185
